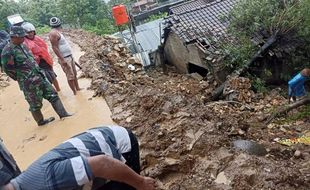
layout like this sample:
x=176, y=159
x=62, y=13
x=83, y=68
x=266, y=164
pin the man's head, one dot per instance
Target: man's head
x=55, y=22
x=29, y=29
x=306, y=72
x=17, y=35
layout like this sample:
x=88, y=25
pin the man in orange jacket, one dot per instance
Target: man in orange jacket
x=39, y=50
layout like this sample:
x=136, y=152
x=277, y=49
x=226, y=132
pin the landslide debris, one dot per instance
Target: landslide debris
x=186, y=140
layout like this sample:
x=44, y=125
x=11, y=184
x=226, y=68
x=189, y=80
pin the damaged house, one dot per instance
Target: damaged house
x=195, y=31
x=190, y=35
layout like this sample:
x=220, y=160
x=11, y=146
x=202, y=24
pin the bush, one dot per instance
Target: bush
x=43, y=29
x=103, y=26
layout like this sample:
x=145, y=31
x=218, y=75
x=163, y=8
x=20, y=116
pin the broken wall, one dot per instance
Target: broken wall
x=179, y=54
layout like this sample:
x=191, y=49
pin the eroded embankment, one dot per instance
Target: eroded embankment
x=185, y=139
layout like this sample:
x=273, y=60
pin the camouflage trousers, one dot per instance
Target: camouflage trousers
x=35, y=89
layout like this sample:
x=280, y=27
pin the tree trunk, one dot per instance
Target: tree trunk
x=270, y=41
x=286, y=109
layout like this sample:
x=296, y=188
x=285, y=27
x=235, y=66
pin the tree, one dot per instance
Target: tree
x=267, y=17
x=279, y=22
x=80, y=12
x=7, y=7
x=39, y=12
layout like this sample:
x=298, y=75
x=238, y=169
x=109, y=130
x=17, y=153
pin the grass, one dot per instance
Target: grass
x=302, y=114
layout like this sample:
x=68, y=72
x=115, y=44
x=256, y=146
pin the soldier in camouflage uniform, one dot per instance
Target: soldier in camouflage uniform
x=19, y=64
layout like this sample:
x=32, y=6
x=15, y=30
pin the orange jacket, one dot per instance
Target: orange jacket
x=39, y=49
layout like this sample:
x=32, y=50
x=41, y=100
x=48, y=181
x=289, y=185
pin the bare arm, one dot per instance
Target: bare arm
x=8, y=187
x=109, y=168
x=54, y=38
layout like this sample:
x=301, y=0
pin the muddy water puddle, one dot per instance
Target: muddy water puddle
x=26, y=140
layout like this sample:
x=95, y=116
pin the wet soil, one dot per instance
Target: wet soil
x=186, y=140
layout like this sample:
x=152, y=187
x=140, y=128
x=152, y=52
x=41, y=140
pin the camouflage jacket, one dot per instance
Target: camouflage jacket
x=19, y=64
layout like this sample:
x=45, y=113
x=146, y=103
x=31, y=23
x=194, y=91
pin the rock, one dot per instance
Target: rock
x=250, y=147
x=222, y=179
x=122, y=64
x=297, y=154
x=116, y=47
x=113, y=56
x=106, y=51
x=128, y=119
x=196, y=76
x=131, y=67
x=171, y=161
x=134, y=60
x=241, y=132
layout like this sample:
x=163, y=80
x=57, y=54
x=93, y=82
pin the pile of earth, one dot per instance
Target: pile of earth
x=186, y=140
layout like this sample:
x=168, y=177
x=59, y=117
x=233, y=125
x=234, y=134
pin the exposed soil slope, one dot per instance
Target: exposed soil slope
x=185, y=139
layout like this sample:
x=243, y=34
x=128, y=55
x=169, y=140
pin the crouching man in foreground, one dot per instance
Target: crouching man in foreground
x=98, y=155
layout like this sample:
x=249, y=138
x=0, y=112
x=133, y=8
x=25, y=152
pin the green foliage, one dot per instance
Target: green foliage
x=304, y=113
x=94, y=15
x=259, y=85
x=238, y=55
x=39, y=12
x=157, y=16
x=281, y=16
x=7, y=8
x=102, y=26
x=43, y=30
x=289, y=19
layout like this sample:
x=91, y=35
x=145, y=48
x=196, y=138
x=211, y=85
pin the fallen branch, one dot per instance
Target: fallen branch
x=285, y=109
x=270, y=41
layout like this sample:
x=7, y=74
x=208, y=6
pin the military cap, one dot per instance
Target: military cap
x=17, y=31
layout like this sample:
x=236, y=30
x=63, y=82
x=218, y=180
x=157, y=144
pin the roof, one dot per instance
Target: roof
x=188, y=5
x=142, y=2
x=147, y=35
x=204, y=23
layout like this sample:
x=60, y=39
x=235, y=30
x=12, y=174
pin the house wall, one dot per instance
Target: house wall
x=196, y=56
x=176, y=53
x=180, y=55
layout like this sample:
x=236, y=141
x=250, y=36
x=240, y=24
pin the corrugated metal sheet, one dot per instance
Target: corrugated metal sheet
x=147, y=36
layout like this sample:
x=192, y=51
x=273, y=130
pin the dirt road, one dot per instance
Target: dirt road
x=26, y=140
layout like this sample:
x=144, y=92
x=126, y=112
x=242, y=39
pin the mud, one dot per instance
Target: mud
x=185, y=139
x=25, y=140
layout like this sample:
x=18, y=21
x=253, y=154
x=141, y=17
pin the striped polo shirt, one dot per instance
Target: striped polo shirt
x=66, y=166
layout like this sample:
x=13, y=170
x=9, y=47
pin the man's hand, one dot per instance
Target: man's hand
x=147, y=184
x=8, y=187
x=63, y=62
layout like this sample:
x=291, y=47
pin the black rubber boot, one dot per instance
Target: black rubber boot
x=60, y=109
x=38, y=117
